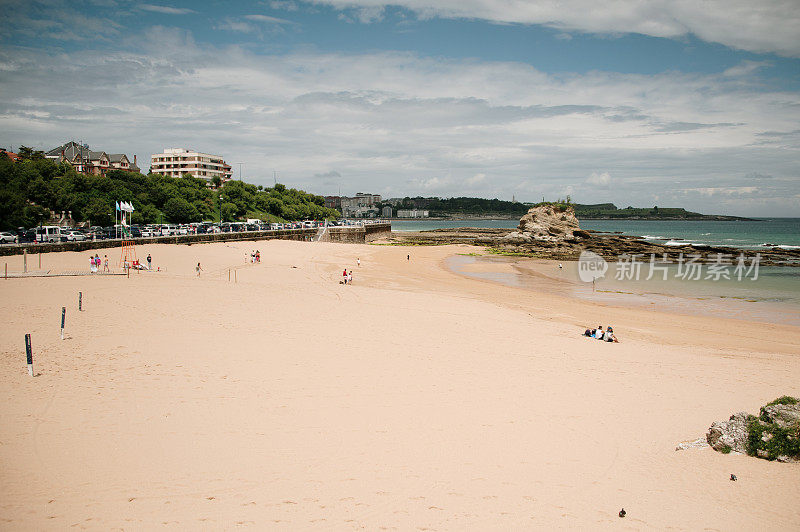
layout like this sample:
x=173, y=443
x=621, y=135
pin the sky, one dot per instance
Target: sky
x=664, y=102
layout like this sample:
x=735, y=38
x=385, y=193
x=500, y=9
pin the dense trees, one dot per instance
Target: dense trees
x=33, y=186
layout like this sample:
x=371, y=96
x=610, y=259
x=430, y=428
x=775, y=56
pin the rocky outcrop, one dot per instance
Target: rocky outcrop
x=773, y=435
x=548, y=223
x=729, y=436
x=784, y=416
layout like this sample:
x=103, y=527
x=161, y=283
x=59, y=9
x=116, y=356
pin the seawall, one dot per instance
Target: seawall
x=348, y=234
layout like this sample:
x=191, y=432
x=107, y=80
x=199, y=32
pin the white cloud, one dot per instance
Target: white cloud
x=267, y=20
x=746, y=68
x=400, y=124
x=476, y=179
x=602, y=179
x=763, y=26
x=283, y=5
x=166, y=10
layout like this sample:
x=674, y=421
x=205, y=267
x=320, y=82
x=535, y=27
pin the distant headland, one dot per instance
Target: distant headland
x=465, y=208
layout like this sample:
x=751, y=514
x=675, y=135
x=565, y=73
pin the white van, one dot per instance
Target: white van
x=48, y=233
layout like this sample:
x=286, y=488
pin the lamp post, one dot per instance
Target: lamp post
x=220, y=213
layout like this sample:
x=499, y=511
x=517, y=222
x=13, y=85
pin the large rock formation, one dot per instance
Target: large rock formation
x=729, y=436
x=552, y=222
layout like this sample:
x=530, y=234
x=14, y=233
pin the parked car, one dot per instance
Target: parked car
x=7, y=237
x=73, y=236
x=48, y=233
x=26, y=236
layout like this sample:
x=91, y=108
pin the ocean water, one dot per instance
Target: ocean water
x=739, y=234
x=771, y=296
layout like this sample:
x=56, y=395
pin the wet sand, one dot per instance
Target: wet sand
x=416, y=398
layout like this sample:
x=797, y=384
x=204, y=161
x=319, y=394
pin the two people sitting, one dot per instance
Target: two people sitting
x=600, y=334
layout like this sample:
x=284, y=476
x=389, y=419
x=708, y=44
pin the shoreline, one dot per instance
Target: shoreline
x=413, y=398
x=672, y=296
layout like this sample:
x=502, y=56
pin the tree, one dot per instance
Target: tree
x=29, y=154
x=228, y=212
x=180, y=211
x=98, y=212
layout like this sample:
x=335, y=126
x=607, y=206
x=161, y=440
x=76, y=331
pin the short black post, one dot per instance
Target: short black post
x=63, y=316
x=29, y=354
x=80, y=301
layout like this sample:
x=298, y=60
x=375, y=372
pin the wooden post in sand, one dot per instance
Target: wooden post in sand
x=235, y=276
x=6, y=270
x=80, y=301
x=40, y=260
x=29, y=354
x=63, y=316
x=229, y=275
x=25, y=260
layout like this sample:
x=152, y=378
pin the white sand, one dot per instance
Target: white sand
x=415, y=398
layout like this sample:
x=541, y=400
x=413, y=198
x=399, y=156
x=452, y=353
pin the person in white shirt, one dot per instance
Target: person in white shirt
x=599, y=333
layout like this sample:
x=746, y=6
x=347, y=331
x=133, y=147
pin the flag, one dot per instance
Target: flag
x=117, y=203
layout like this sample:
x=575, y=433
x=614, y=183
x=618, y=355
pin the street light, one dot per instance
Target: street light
x=220, y=213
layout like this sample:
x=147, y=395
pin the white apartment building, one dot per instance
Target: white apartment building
x=412, y=213
x=175, y=162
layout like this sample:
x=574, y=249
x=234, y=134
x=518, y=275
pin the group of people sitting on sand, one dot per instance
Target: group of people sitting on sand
x=600, y=334
x=255, y=256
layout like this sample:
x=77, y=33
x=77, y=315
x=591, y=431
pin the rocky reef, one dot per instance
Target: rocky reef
x=552, y=231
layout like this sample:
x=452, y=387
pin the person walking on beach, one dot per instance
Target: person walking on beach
x=92, y=265
x=359, y=262
x=149, y=262
x=350, y=277
x=105, y=263
x=408, y=257
x=258, y=256
x=199, y=269
x=344, y=276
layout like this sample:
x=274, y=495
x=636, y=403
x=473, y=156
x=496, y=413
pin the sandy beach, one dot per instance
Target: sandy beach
x=415, y=398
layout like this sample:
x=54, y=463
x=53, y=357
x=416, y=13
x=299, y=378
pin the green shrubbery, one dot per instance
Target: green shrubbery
x=769, y=439
x=33, y=186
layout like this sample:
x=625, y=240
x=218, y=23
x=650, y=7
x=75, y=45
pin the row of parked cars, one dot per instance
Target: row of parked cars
x=53, y=233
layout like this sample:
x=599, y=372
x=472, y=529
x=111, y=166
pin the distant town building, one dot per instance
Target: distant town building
x=333, y=202
x=412, y=213
x=360, y=206
x=175, y=162
x=90, y=162
x=386, y=212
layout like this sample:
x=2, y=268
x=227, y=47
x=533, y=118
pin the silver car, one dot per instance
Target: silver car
x=7, y=238
x=74, y=236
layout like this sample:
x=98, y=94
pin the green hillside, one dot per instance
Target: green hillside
x=32, y=187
